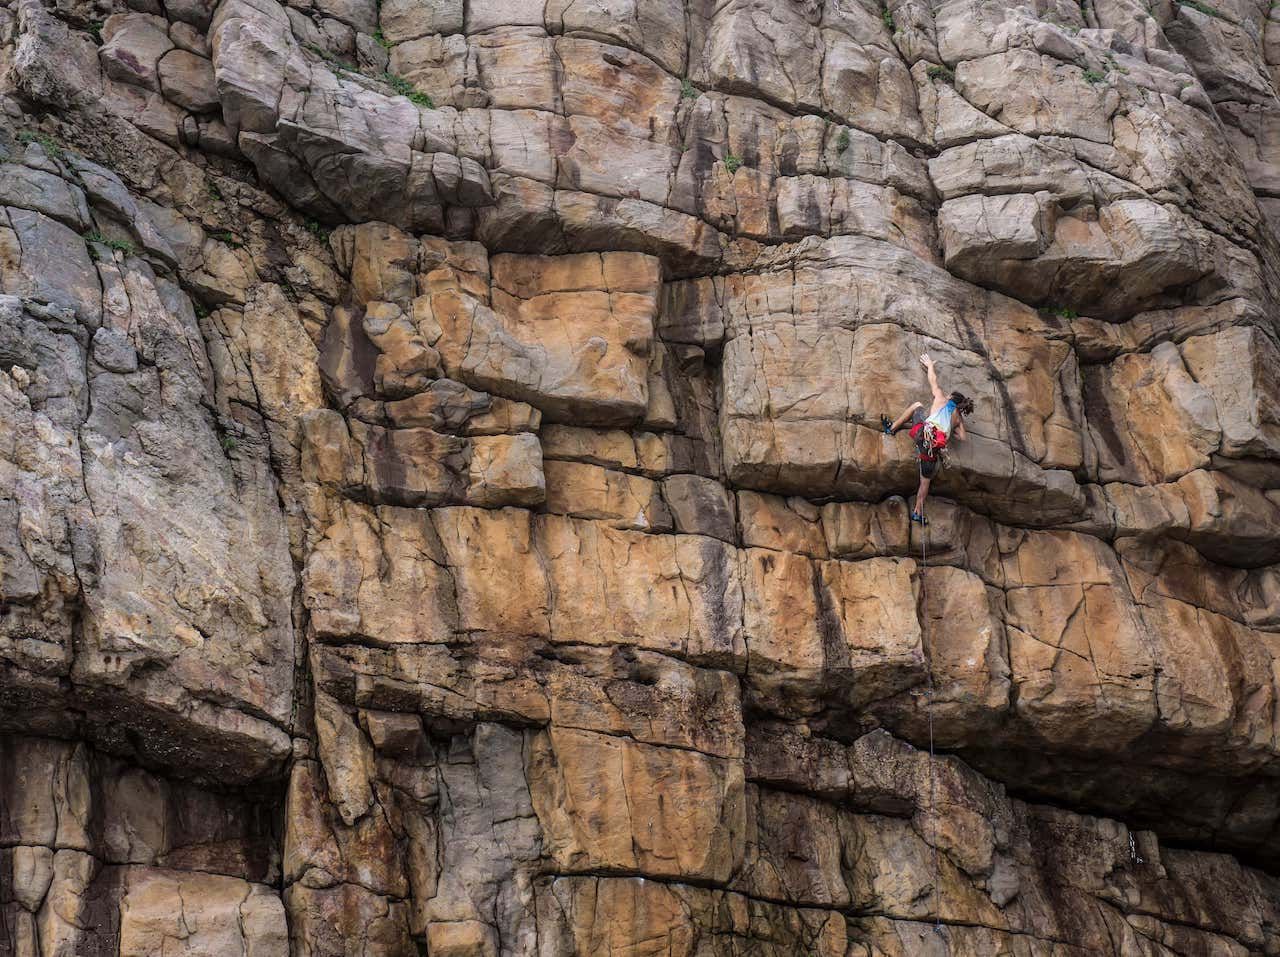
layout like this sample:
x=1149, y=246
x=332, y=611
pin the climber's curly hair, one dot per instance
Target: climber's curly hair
x=964, y=404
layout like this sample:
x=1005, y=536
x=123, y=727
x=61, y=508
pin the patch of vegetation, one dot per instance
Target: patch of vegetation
x=95, y=238
x=1062, y=312
x=50, y=146
x=228, y=238
x=687, y=90
x=843, y=141
x=95, y=31
x=382, y=40
x=731, y=163
x=338, y=66
x=199, y=309
x=406, y=89
x=1113, y=65
x=317, y=230
x=887, y=17
x=212, y=187
x=1206, y=9
x=1094, y=76
x=943, y=73
x=228, y=442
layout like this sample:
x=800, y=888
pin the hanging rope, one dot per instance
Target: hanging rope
x=928, y=666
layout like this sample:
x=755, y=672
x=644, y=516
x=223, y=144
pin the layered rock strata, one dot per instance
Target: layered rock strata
x=444, y=510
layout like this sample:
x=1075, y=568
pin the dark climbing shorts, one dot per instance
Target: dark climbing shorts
x=928, y=466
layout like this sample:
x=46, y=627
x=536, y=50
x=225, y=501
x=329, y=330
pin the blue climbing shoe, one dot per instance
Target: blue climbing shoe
x=886, y=424
x=917, y=517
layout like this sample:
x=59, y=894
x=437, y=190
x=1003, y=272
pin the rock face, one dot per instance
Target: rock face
x=443, y=507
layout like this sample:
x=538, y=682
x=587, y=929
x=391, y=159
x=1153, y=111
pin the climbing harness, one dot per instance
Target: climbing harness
x=928, y=671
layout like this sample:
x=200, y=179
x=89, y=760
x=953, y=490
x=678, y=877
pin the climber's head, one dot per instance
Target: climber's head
x=964, y=404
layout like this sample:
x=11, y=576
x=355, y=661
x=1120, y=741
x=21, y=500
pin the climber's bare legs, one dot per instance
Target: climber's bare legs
x=902, y=420
x=922, y=493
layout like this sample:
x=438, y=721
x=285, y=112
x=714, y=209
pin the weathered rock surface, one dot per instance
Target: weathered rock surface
x=443, y=504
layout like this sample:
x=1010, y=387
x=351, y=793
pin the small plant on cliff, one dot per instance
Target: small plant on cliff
x=887, y=17
x=843, y=141
x=382, y=40
x=1061, y=312
x=95, y=31
x=731, y=163
x=317, y=230
x=228, y=443
x=406, y=89
x=228, y=239
x=46, y=142
x=687, y=90
x=943, y=73
x=1206, y=9
x=339, y=67
x=1094, y=76
x=95, y=238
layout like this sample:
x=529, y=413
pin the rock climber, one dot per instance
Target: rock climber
x=931, y=434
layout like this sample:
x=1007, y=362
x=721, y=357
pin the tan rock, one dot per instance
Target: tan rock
x=828, y=634
x=379, y=575
x=700, y=506
x=677, y=594
x=499, y=573
x=347, y=759
x=187, y=79
x=603, y=684
x=789, y=525
x=214, y=914
x=622, y=500
x=1077, y=649
x=1152, y=419
x=135, y=44
x=464, y=938
x=853, y=530
x=328, y=918
x=570, y=336
x=506, y=470
x=604, y=802
x=401, y=21
x=1237, y=369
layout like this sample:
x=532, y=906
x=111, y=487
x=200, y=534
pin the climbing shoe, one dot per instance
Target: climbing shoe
x=886, y=424
x=917, y=517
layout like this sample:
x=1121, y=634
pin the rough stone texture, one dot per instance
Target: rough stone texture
x=443, y=507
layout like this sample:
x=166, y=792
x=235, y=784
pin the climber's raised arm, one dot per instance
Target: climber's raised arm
x=939, y=397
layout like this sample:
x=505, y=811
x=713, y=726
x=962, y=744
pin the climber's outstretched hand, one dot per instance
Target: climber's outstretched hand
x=938, y=395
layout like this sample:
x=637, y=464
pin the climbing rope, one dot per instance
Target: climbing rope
x=928, y=671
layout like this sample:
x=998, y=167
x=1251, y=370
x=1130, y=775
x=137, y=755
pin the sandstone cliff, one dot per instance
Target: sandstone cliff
x=443, y=508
